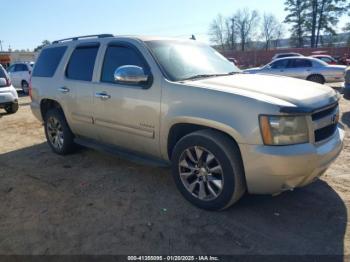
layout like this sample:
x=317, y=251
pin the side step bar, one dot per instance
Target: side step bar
x=123, y=153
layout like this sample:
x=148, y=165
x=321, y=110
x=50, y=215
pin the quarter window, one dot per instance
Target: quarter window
x=48, y=61
x=117, y=56
x=82, y=62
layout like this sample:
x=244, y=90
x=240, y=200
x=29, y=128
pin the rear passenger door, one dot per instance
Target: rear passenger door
x=299, y=68
x=130, y=116
x=76, y=91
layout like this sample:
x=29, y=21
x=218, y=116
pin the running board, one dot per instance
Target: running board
x=123, y=153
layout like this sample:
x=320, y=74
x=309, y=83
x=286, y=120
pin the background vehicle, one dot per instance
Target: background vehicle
x=326, y=58
x=149, y=96
x=283, y=55
x=347, y=84
x=306, y=68
x=8, y=94
x=20, y=75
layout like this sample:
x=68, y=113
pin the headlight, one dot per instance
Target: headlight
x=284, y=130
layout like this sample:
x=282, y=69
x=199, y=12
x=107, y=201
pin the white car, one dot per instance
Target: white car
x=20, y=75
x=306, y=68
x=284, y=55
x=8, y=94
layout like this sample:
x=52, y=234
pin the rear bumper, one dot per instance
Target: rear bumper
x=273, y=169
x=8, y=95
x=35, y=107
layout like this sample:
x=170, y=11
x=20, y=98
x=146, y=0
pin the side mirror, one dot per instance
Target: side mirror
x=3, y=82
x=130, y=74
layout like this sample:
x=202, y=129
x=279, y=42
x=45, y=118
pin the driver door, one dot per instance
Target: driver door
x=127, y=115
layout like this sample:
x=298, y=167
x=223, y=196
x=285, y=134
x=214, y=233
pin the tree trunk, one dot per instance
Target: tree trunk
x=314, y=22
x=320, y=21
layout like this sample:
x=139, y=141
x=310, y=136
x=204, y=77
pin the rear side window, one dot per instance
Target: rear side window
x=48, y=61
x=21, y=68
x=81, y=63
x=297, y=63
x=117, y=56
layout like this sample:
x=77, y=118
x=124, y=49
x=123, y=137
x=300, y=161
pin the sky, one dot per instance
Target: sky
x=28, y=23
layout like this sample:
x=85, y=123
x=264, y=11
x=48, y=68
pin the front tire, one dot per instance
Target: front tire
x=11, y=108
x=58, y=134
x=208, y=170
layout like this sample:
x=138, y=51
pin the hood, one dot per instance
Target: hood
x=284, y=91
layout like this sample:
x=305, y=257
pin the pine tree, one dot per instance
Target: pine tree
x=297, y=10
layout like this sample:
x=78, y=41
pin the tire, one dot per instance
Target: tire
x=11, y=108
x=25, y=87
x=317, y=79
x=58, y=134
x=217, y=195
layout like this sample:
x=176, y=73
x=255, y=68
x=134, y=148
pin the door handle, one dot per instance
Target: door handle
x=102, y=96
x=63, y=89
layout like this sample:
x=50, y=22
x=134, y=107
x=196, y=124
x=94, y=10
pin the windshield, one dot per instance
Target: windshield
x=186, y=60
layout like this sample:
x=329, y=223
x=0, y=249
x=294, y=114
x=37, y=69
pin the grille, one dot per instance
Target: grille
x=325, y=122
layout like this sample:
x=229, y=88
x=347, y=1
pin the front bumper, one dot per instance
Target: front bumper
x=273, y=169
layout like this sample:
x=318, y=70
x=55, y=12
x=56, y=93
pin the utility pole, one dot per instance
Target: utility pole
x=0, y=45
x=233, y=32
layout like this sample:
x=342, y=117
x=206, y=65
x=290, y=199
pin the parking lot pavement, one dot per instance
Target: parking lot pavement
x=94, y=203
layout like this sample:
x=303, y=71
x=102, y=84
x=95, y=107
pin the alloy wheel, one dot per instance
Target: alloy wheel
x=55, y=132
x=201, y=173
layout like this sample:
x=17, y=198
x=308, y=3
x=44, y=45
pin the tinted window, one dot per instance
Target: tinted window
x=326, y=59
x=117, y=56
x=20, y=68
x=81, y=63
x=297, y=63
x=48, y=61
x=279, y=64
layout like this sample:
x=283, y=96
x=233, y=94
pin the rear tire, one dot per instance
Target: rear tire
x=208, y=170
x=11, y=108
x=25, y=87
x=317, y=79
x=58, y=134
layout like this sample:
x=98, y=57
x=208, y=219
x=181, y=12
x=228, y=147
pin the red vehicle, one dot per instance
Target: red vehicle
x=326, y=58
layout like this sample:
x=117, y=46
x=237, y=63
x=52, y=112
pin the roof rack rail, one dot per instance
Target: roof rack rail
x=81, y=37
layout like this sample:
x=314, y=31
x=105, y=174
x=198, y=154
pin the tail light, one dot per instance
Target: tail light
x=8, y=81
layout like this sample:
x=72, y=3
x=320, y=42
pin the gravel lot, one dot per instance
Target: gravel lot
x=95, y=203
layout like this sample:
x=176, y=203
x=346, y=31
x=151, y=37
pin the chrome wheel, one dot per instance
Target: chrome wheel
x=55, y=132
x=201, y=173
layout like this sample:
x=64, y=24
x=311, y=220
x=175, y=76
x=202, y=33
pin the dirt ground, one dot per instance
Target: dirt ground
x=94, y=203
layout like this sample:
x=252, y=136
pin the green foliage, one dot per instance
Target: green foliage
x=43, y=43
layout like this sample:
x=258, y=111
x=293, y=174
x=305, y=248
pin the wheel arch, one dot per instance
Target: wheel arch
x=317, y=75
x=47, y=104
x=180, y=129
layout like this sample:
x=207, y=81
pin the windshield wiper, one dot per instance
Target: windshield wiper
x=207, y=75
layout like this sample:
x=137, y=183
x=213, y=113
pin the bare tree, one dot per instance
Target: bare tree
x=245, y=23
x=217, y=31
x=271, y=29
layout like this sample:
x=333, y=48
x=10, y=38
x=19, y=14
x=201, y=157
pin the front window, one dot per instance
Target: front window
x=186, y=60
